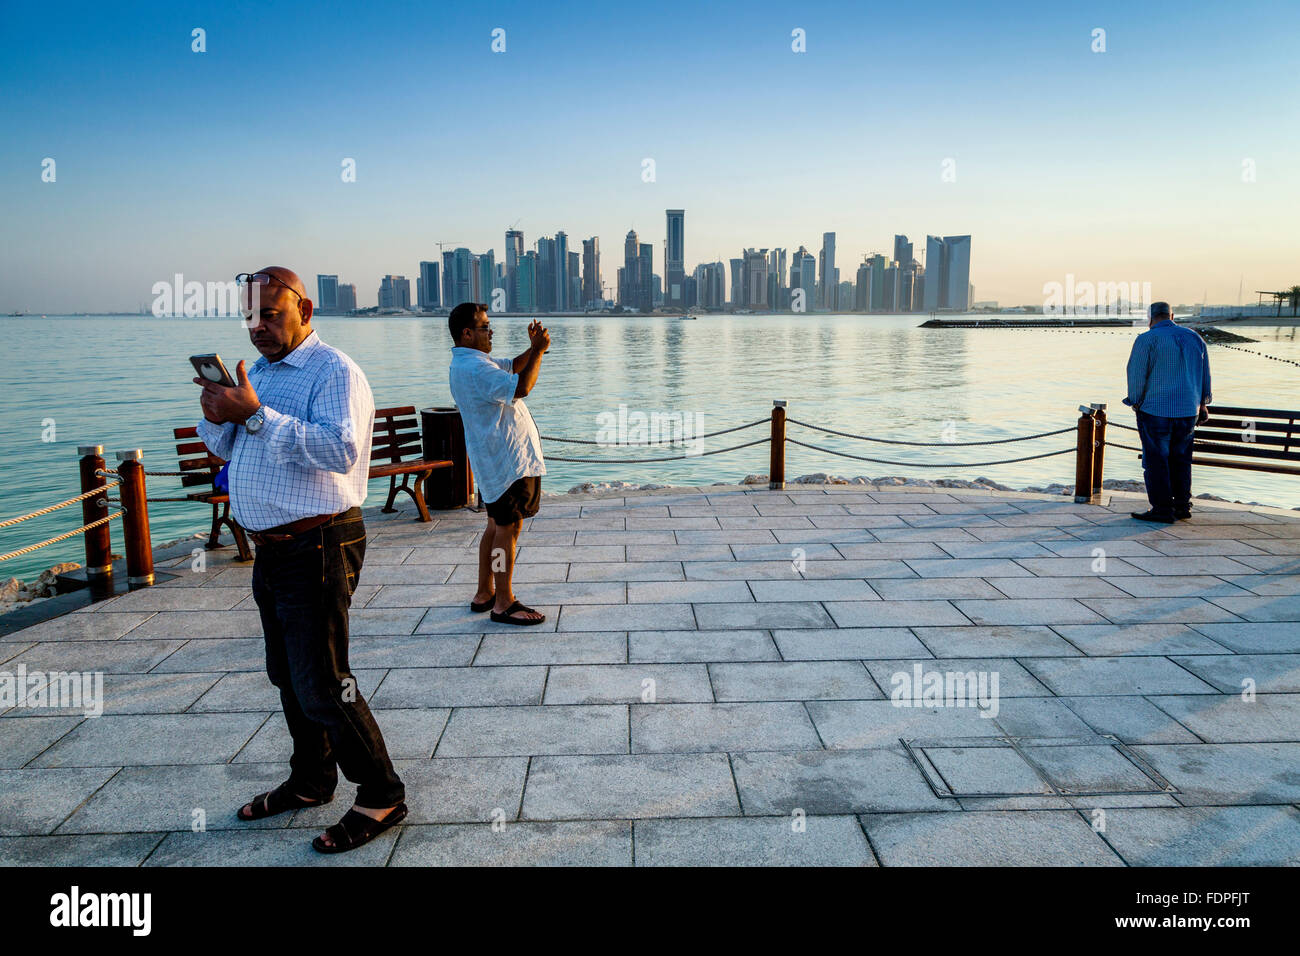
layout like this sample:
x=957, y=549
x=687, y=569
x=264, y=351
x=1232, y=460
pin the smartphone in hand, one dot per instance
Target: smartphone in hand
x=210, y=368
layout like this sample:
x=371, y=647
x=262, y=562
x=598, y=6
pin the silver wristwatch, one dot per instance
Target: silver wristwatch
x=255, y=421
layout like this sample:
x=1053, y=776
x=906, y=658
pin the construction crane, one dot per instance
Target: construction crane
x=441, y=244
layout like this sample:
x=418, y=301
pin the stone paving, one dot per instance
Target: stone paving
x=722, y=679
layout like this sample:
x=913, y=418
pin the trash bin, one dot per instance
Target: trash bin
x=442, y=436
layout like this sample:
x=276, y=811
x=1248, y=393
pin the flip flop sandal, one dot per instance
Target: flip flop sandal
x=279, y=800
x=503, y=617
x=480, y=608
x=357, y=829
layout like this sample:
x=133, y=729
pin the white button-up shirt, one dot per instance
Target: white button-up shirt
x=500, y=435
x=312, y=454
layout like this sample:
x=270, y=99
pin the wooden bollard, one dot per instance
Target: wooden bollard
x=1099, y=453
x=1083, y=456
x=135, y=519
x=776, y=464
x=99, y=543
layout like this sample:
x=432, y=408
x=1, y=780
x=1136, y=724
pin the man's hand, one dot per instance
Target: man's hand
x=538, y=337
x=222, y=404
x=1204, y=415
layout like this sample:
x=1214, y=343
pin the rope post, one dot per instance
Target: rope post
x=1083, y=456
x=776, y=465
x=135, y=519
x=1099, y=455
x=99, y=545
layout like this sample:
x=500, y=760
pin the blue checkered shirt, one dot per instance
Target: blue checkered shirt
x=312, y=455
x=1168, y=372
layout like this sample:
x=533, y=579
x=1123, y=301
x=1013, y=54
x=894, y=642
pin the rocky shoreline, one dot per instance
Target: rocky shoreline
x=979, y=484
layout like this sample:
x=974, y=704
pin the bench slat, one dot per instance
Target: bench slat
x=1246, y=465
x=1245, y=450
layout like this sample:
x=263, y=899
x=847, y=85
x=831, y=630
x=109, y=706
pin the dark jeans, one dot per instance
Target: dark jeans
x=303, y=588
x=1167, y=461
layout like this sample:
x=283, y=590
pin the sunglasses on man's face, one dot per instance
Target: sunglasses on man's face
x=264, y=278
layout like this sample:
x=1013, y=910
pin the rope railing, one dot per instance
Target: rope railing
x=62, y=504
x=918, y=464
x=94, y=499
x=63, y=537
x=924, y=444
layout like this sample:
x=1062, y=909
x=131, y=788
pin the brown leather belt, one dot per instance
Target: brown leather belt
x=287, y=532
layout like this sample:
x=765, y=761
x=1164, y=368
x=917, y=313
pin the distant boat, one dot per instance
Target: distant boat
x=686, y=318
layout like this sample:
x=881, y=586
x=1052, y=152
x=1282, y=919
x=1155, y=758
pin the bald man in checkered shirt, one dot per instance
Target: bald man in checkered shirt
x=297, y=433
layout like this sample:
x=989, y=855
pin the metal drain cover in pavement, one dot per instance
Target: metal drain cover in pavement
x=1095, y=765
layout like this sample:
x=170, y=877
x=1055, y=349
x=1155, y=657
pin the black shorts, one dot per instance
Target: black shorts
x=519, y=501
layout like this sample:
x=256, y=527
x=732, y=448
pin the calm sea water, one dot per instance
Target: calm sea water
x=124, y=382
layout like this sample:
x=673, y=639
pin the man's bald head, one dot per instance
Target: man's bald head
x=288, y=277
x=284, y=314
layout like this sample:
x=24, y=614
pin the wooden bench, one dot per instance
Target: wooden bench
x=397, y=434
x=1255, y=439
x=205, y=468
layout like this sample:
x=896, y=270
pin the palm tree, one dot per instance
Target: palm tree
x=1293, y=294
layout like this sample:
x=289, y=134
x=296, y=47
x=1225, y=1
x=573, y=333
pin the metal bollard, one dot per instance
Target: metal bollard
x=776, y=464
x=1099, y=455
x=1085, y=446
x=135, y=518
x=99, y=543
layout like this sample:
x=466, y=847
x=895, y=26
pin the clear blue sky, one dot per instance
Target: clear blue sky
x=1119, y=166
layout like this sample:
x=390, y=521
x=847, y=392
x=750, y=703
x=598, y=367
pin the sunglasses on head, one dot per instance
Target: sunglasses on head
x=264, y=278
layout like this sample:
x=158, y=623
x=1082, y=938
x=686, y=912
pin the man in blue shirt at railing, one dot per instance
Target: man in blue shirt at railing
x=1169, y=389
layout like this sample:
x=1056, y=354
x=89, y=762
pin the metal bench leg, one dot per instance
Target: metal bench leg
x=215, y=534
x=418, y=494
x=392, y=493
x=241, y=541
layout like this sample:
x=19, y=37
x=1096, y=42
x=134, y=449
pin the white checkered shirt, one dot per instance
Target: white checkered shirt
x=312, y=456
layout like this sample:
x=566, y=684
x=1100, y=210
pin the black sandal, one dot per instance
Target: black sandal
x=357, y=829
x=280, y=800
x=503, y=617
x=480, y=608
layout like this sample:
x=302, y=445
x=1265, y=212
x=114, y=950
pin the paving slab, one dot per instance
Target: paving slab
x=1231, y=719
x=694, y=728
x=1258, y=638
x=815, y=841
x=700, y=646
x=461, y=687
x=581, y=843
x=630, y=787
x=36, y=801
x=1029, y=838
x=280, y=847
x=1139, y=640
x=1233, y=674
x=1215, y=774
x=627, y=683
x=795, y=680
x=1102, y=676
x=621, y=617
x=525, y=731
x=764, y=614
x=1010, y=640
x=576, y=647
x=108, y=849
x=875, y=724
x=82, y=627
x=1206, y=836
x=832, y=781
x=849, y=643
x=153, y=739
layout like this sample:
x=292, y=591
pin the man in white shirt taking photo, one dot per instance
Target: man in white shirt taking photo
x=505, y=450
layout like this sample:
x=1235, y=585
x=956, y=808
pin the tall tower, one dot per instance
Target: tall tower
x=514, y=249
x=591, y=290
x=675, y=259
x=829, y=290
